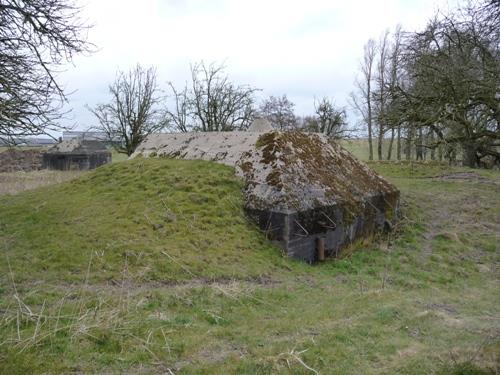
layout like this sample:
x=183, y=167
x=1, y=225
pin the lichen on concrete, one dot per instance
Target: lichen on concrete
x=301, y=171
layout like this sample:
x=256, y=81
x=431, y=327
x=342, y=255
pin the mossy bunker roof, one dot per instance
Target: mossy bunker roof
x=283, y=171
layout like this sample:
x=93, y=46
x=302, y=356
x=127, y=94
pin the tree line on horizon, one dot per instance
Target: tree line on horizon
x=434, y=90
x=210, y=102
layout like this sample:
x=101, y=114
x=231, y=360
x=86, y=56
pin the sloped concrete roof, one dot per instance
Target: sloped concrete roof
x=283, y=171
x=78, y=146
x=223, y=147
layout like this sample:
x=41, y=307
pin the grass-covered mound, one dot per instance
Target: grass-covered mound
x=164, y=220
x=151, y=267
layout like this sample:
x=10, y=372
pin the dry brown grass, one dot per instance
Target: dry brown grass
x=15, y=182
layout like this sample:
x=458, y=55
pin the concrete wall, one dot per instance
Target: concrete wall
x=297, y=233
x=66, y=162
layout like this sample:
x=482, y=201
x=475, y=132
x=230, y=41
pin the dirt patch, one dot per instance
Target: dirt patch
x=409, y=351
x=14, y=160
x=211, y=355
x=442, y=307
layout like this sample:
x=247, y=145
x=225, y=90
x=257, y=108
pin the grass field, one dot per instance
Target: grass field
x=150, y=267
x=359, y=148
x=15, y=182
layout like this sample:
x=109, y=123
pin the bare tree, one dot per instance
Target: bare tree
x=361, y=99
x=393, y=113
x=36, y=37
x=217, y=103
x=279, y=112
x=133, y=111
x=331, y=120
x=381, y=93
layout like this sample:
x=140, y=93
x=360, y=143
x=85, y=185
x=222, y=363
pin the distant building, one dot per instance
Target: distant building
x=92, y=136
x=86, y=135
x=76, y=154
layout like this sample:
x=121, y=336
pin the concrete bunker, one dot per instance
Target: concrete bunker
x=310, y=196
x=76, y=154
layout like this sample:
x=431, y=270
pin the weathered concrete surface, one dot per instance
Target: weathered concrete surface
x=298, y=186
x=13, y=160
x=260, y=125
x=76, y=154
x=223, y=147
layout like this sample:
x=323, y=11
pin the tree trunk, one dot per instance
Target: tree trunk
x=418, y=146
x=470, y=158
x=431, y=141
x=379, y=143
x=398, y=144
x=370, y=136
x=389, y=151
x=370, y=143
x=409, y=141
x=450, y=153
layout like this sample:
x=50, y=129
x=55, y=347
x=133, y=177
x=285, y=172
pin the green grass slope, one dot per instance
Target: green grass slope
x=150, y=266
x=148, y=215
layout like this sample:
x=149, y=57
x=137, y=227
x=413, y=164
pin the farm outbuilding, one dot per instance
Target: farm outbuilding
x=76, y=154
x=309, y=195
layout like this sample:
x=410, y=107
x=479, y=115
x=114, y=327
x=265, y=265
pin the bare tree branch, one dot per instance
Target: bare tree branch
x=36, y=38
x=216, y=103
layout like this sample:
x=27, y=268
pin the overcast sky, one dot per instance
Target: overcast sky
x=305, y=49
